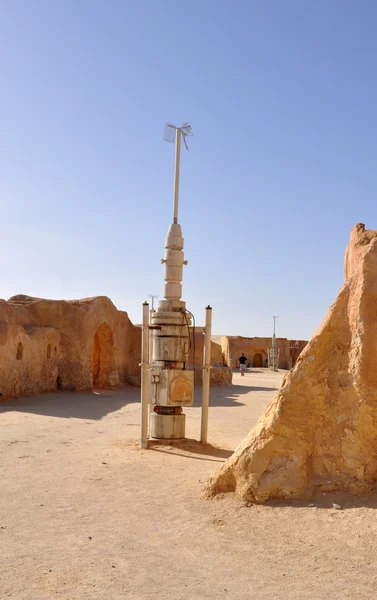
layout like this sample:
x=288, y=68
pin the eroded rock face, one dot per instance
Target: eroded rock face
x=320, y=431
x=71, y=345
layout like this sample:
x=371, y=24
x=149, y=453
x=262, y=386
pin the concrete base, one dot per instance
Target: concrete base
x=167, y=427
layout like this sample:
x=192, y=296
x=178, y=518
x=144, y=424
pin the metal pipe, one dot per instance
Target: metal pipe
x=274, y=351
x=176, y=176
x=206, y=375
x=144, y=376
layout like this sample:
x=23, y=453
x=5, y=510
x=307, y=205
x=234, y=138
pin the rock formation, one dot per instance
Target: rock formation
x=320, y=431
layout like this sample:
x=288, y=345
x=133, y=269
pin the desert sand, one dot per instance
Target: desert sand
x=86, y=515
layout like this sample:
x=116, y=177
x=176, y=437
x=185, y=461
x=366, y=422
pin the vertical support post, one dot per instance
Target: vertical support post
x=176, y=174
x=144, y=376
x=206, y=375
x=150, y=351
x=275, y=362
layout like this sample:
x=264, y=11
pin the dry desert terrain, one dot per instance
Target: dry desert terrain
x=86, y=515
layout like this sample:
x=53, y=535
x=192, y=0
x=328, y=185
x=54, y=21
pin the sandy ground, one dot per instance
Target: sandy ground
x=85, y=514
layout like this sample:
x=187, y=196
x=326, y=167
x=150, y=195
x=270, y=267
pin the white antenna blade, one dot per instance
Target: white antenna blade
x=186, y=128
x=169, y=133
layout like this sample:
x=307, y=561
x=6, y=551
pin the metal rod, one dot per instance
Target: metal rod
x=144, y=376
x=274, y=318
x=274, y=365
x=152, y=296
x=206, y=375
x=176, y=175
x=151, y=328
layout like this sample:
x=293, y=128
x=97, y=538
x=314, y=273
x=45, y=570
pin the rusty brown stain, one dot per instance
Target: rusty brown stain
x=180, y=389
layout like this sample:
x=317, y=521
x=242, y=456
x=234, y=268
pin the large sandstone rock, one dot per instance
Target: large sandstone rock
x=74, y=345
x=320, y=431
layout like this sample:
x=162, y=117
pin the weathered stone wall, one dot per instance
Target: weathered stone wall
x=220, y=375
x=255, y=349
x=197, y=343
x=320, y=431
x=28, y=356
x=75, y=345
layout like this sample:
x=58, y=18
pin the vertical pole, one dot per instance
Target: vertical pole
x=144, y=376
x=274, y=350
x=152, y=296
x=176, y=175
x=150, y=351
x=206, y=375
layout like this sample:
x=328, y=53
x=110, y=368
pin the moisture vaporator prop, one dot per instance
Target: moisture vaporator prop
x=170, y=381
x=167, y=384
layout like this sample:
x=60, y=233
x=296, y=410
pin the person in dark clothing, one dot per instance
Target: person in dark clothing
x=242, y=360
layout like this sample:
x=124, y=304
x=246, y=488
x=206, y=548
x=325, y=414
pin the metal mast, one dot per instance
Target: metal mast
x=274, y=353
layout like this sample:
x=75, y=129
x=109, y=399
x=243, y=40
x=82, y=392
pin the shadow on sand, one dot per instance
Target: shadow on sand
x=70, y=405
x=325, y=501
x=188, y=448
x=228, y=395
x=94, y=405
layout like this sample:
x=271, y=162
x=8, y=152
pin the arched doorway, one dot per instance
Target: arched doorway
x=104, y=373
x=257, y=360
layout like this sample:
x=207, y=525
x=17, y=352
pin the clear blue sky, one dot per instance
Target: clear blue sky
x=282, y=97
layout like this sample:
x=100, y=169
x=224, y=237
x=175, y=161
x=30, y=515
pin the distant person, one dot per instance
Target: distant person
x=242, y=360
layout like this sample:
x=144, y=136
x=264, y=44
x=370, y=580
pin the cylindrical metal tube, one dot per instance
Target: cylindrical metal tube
x=144, y=376
x=206, y=375
x=176, y=176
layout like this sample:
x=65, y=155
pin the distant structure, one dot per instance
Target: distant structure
x=274, y=351
x=257, y=349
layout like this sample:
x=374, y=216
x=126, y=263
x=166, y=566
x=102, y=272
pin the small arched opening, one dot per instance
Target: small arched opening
x=20, y=351
x=49, y=351
x=257, y=360
x=103, y=363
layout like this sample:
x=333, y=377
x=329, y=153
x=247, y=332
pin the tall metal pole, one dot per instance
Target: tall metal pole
x=152, y=296
x=206, y=375
x=274, y=318
x=144, y=376
x=176, y=176
x=274, y=365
